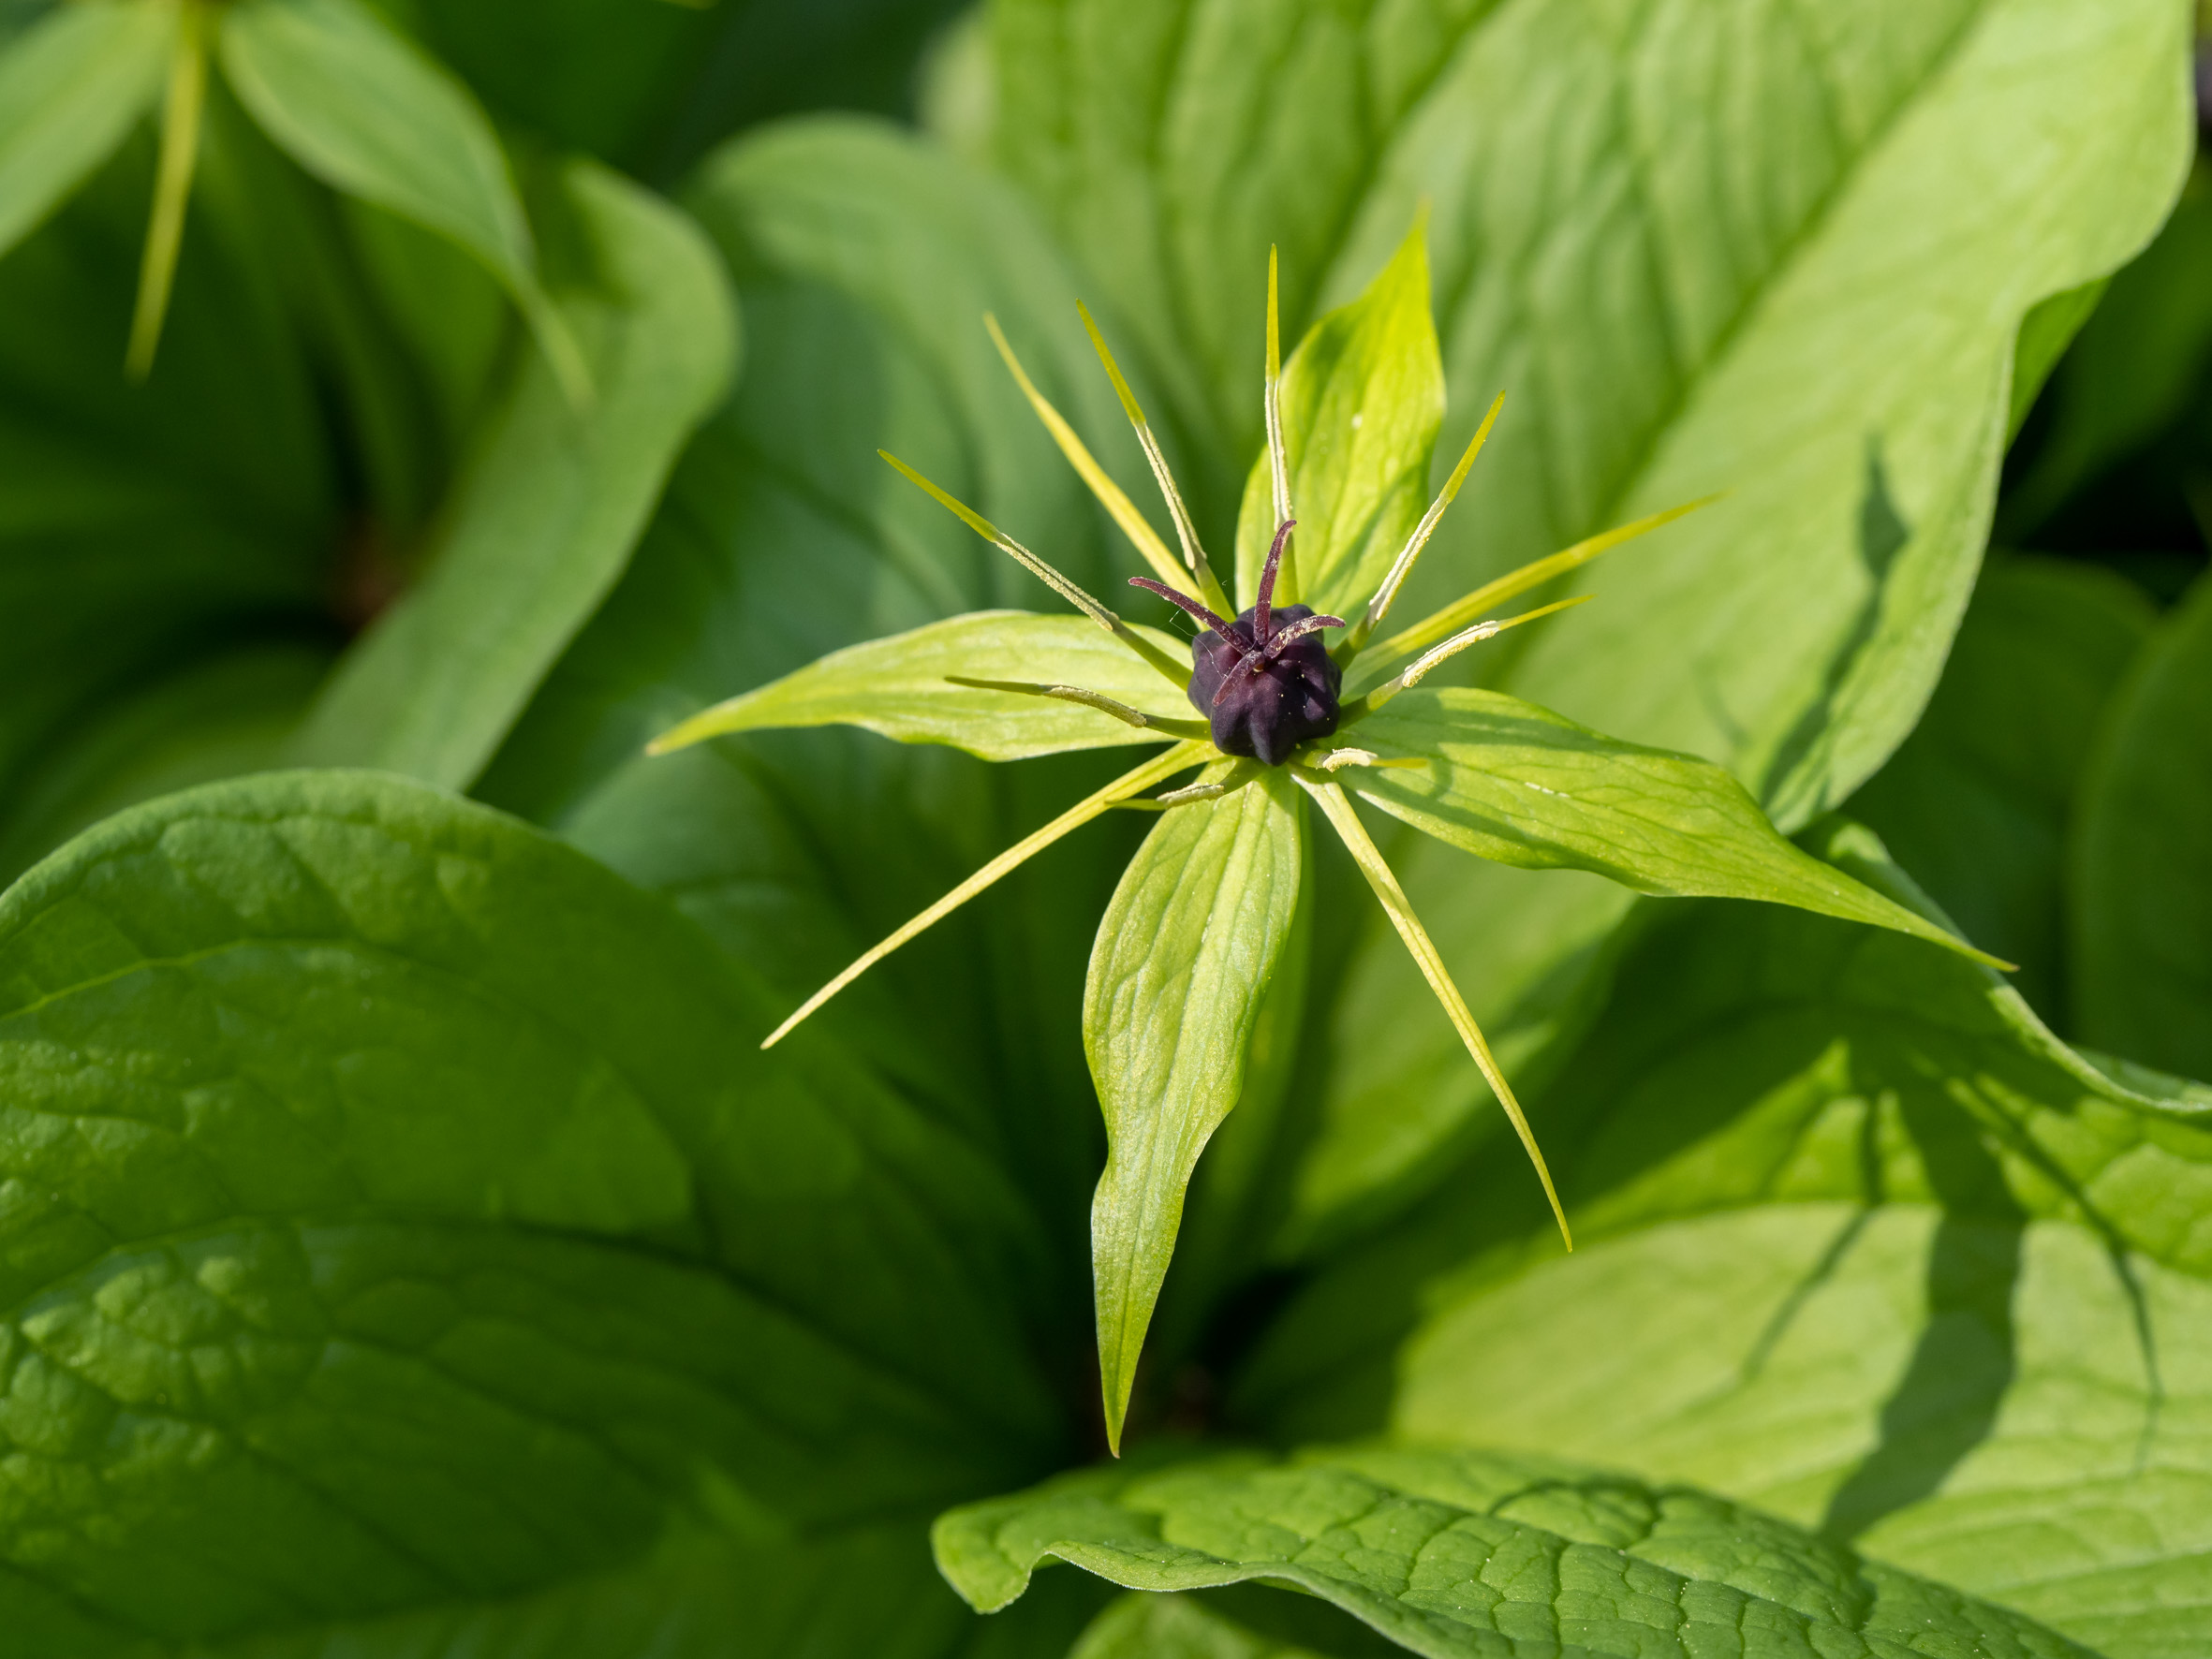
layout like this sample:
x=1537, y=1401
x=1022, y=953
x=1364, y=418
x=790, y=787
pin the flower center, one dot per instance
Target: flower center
x=1263, y=705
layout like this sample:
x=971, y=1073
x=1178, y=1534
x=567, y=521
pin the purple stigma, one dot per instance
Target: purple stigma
x=1184, y=601
x=1264, y=606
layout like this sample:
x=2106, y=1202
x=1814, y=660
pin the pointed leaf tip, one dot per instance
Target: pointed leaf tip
x=1182, y=958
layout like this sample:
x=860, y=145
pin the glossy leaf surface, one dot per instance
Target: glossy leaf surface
x=1859, y=1244
x=1183, y=958
x=1482, y=1553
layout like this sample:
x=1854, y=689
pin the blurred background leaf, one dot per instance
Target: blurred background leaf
x=2142, y=864
x=1978, y=800
x=652, y=87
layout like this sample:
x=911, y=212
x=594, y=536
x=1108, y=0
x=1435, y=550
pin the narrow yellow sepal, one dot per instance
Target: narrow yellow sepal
x=1462, y=612
x=181, y=109
x=1180, y=758
x=1278, y=464
x=1336, y=806
x=1111, y=495
x=1178, y=673
x=1194, y=555
x=1402, y=566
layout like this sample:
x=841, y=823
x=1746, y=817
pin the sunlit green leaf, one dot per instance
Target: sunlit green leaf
x=71, y=87
x=412, y=1223
x=543, y=523
x=1183, y=960
x=1361, y=398
x=1518, y=783
x=1975, y=804
x=365, y=110
x=1858, y=1243
x=2140, y=880
x=902, y=688
x=1475, y=1553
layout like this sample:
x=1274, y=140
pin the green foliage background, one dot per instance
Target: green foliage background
x=405, y=1248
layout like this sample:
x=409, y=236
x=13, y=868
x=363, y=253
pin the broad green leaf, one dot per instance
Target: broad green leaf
x=1975, y=804
x=2138, y=364
x=1236, y=1195
x=543, y=523
x=1181, y=962
x=410, y=1217
x=2141, y=875
x=859, y=253
x=1858, y=1243
x=1512, y=781
x=1480, y=1554
x=71, y=87
x=366, y=111
x=1361, y=398
x=902, y=688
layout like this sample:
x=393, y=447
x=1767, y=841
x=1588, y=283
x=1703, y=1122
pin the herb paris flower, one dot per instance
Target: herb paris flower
x=1199, y=925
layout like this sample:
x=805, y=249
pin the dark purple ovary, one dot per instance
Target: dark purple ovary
x=1269, y=710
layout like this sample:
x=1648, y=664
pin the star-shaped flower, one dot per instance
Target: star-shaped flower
x=1276, y=716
